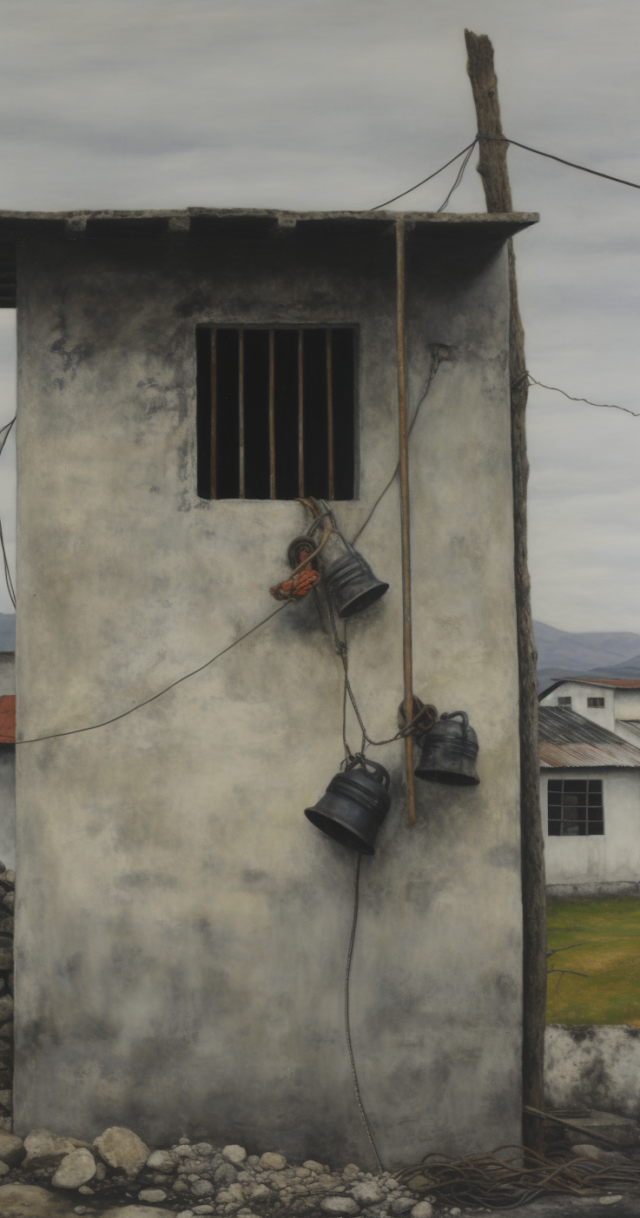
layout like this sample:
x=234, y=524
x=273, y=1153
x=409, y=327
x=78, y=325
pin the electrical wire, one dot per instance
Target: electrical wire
x=354, y=1075
x=468, y=148
x=554, y=389
x=4, y=436
x=459, y=177
x=597, y=173
x=435, y=364
x=114, y=719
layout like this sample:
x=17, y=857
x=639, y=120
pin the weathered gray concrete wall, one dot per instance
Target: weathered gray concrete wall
x=598, y=1066
x=181, y=928
x=601, y=863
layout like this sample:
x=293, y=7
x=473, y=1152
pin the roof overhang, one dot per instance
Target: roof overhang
x=242, y=224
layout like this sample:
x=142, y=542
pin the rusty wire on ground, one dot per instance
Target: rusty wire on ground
x=502, y=1183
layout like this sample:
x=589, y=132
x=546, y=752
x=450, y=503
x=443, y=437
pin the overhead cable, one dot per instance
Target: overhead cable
x=502, y=139
x=431, y=175
x=4, y=436
x=600, y=405
x=105, y=722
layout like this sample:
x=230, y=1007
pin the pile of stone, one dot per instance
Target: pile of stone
x=7, y=898
x=199, y=1178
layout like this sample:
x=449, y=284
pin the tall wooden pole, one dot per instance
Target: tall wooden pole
x=492, y=168
x=405, y=518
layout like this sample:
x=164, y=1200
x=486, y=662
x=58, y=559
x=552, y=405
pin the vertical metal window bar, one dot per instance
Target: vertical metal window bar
x=241, y=492
x=214, y=410
x=272, y=414
x=330, y=416
x=301, y=413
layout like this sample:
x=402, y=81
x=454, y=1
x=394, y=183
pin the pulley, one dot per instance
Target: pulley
x=354, y=805
x=449, y=752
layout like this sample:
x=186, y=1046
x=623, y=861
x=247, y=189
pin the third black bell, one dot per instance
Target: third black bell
x=449, y=752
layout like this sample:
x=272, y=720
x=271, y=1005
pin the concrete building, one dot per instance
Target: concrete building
x=181, y=928
x=611, y=702
x=590, y=802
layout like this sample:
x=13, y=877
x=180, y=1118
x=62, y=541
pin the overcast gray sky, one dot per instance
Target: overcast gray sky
x=342, y=103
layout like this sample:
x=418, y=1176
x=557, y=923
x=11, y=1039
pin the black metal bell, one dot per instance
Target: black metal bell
x=352, y=584
x=354, y=805
x=449, y=752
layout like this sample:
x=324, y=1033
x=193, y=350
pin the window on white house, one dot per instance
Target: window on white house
x=595, y=701
x=564, y=701
x=575, y=807
x=276, y=412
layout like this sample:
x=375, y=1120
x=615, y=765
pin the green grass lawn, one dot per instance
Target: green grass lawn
x=608, y=935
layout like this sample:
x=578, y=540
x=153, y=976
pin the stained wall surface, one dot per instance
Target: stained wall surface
x=182, y=929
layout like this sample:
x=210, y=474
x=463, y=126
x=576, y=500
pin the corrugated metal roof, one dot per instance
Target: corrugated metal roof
x=566, y=739
x=8, y=719
x=614, y=682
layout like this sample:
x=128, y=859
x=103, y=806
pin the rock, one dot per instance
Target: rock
x=160, y=1160
x=75, y=1169
x=29, y=1201
x=101, y=1171
x=225, y=1174
x=401, y=1205
x=180, y=1187
x=417, y=1183
x=339, y=1205
x=185, y=1214
x=203, y=1209
x=203, y=1148
x=422, y=1210
x=611, y=1200
x=5, y=1100
x=366, y=1193
x=184, y=1151
x=6, y=1008
x=313, y=1166
x=350, y=1172
x=204, y=1188
x=273, y=1162
x=12, y=1149
x=9, y=902
x=259, y=1192
x=584, y=1150
x=86, y=1191
x=45, y=1149
x=133, y=1211
x=235, y=1154
x=151, y=1195
x=79, y=1209
x=122, y=1148
x=4, y=1168
x=6, y=950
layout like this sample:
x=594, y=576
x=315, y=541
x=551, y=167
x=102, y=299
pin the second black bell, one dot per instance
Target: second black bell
x=449, y=752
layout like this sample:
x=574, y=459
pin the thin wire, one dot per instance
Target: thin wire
x=502, y=139
x=431, y=175
x=435, y=364
x=4, y=436
x=459, y=177
x=354, y=1075
x=104, y=723
x=600, y=405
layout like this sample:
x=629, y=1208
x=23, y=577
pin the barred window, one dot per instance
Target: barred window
x=595, y=701
x=575, y=807
x=276, y=412
x=564, y=701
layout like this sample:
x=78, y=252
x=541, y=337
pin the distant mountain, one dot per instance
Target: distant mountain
x=601, y=653
x=7, y=631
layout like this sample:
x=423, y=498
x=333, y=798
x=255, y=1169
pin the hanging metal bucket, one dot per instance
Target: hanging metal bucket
x=354, y=805
x=449, y=752
x=351, y=583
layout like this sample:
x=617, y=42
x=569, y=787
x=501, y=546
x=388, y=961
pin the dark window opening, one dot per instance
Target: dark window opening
x=575, y=807
x=564, y=701
x=595, y=701
x=276, y=413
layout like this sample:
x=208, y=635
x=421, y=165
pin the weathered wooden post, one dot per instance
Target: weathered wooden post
x=492, y=168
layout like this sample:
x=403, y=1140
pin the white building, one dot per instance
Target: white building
x=589, y=732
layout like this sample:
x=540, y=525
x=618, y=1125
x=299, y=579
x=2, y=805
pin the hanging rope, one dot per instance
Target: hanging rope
x=354, y=1076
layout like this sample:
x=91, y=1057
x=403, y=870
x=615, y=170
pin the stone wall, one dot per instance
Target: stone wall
x=595, y=1065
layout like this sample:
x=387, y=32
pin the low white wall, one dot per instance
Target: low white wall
x=594, y=1065
x=598, y=864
